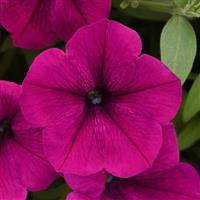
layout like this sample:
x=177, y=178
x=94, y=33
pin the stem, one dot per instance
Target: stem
x=166, y=7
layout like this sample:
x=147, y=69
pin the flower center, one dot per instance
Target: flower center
x=95, y=97
x=109, y=179
x=5, y=129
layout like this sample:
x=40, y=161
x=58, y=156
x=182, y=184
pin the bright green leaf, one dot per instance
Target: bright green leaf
x=178, y=46
x=181, y=3
x=192, y=105
x=190, y=134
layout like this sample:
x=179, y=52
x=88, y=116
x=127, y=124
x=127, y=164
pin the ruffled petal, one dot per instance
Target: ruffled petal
x=27, y=22
x=32, y=168
x=92, y=185
x=178, y=183
x=10, y=187
x=169, y=155
x=154, y=91
x=53, y=90
x=78, y=196
x=105, y=50
x=94, y=10
x=9, y=95
x=68, y=16
x=98, y=141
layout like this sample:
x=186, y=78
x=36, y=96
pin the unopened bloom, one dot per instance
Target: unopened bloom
x=22, y=165
x=101, y=103
x=38, y=23
x=166, y=180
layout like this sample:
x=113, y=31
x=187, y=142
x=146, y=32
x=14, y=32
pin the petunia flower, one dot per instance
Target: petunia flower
x=38, y=23
x=101, y=103
x=22, y=165
x=166, y=180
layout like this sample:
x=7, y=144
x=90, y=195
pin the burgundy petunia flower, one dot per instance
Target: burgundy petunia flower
x=101, y=103
x=22, y=163
x=36, y=24
x=166, y=180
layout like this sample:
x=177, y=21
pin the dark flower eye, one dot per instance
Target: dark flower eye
x=5, y=129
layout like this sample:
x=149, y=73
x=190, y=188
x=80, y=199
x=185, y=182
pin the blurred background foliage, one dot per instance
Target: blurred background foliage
x=170, y=31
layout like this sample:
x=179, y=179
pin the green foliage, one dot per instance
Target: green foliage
x=190, y=134
x=181, y=3
x=178, y=121
x=58, y=193
x=53, y=193
x=192, y=105
x=192, y=9
x=178, y=46
x=124, y=4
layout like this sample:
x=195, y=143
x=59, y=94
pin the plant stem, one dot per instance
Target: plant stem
x=166, y=7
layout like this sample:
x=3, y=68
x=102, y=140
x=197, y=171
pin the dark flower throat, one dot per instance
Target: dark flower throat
x=5, y=129
x=95, y=97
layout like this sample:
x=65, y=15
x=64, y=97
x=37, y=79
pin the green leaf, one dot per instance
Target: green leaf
x=58, y=193
x=178, y=121
x=190, y=134
x=181, y=3
x=178, y=46
x=192, y=104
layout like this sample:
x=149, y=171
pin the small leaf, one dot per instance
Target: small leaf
x=178, y=46
x=190, y=134
x=181, y=3
x=124, y=4
x=192, y=104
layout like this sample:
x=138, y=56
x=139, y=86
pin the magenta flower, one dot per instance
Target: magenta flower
x=22, y=163
x=102, y=103
x=166, y=180
x=38, y=23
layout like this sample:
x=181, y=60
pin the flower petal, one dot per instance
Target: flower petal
x=27, y=22
x=10, y=187
x=96, y=142
x=33, y=171
x=32, y=168
x=92, y=185
x=53, y=90
x=78, y=196
x=154, y=91
x=144, y=142
x=94, y=10
x=102, y=47
x=168, y=156
x=169, y=153
x=68, y=16
x=9, y=95
x=178, y=183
